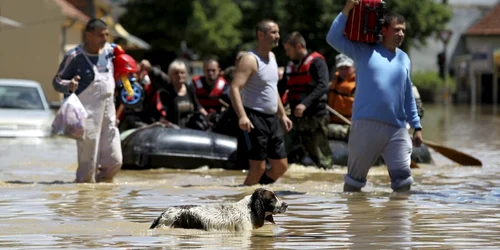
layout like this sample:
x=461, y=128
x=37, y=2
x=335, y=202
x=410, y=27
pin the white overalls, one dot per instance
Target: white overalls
x=99, y=153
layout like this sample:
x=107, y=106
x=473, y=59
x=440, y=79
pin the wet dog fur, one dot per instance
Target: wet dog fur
x=249, y=213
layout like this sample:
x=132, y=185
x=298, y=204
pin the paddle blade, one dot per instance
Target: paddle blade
x=455, y=155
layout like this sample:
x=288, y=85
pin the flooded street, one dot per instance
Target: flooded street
x=450, y=207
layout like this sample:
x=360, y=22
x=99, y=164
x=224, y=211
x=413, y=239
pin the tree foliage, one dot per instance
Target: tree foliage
x=254, y=11
x=222, y=27
x=312, y=19
x=211, y=28
x=207, y=26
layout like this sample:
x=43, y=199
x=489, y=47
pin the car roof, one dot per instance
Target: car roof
x=18, y=82
x=26, y=83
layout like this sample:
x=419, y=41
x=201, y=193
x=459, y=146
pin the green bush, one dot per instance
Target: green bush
x=429, y=84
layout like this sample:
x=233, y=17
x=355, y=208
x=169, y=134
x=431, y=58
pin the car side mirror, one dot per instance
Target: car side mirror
x=55, y=105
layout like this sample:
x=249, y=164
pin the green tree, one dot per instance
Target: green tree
x=161, y=23
x=212, y=28
x=311, y=18
x=208, y=26
x=222, y=27
x=254, y=11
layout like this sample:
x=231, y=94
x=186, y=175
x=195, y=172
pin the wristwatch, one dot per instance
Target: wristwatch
x=418, y=129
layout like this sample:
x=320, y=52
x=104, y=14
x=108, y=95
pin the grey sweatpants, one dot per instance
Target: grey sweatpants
x=367, y=140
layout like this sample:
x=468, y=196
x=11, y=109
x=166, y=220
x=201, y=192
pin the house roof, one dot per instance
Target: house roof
x=488, y=25
x=71, y=11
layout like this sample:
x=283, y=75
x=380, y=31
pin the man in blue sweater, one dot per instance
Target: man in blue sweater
x=384, y=103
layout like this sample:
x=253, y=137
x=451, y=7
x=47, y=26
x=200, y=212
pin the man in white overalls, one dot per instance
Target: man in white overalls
x=87, y=70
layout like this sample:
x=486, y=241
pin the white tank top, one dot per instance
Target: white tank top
x=260, y=93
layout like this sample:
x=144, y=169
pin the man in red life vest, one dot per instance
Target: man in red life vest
x=307, y=89
x=212, y=89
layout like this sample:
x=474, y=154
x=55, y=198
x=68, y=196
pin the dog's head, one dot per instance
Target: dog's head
x=264, y=204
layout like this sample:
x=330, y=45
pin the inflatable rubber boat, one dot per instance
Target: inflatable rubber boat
x=157, y=146
x=162, y=147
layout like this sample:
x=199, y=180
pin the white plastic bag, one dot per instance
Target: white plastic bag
x=70, y=119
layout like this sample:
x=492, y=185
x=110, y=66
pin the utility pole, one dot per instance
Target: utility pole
x=444, y=36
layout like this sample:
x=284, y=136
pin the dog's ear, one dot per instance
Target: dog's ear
x=257, y=204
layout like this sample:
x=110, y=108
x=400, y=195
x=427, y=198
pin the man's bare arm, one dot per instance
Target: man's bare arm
x=281, y=109
x=245, y=69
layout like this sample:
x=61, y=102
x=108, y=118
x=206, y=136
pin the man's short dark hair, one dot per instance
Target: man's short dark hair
x=391, y=16
x=210, y=60
x=94, y=24
x=263, y=26
x=295, y=38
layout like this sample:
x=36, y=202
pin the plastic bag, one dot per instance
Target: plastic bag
x=70, y=119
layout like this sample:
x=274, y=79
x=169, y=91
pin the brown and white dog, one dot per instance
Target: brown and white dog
x=244, y=215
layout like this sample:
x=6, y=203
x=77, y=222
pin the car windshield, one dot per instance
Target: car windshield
x=16, y=97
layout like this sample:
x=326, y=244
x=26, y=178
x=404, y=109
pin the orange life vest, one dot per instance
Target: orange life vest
x=210, y=101
x=341, y=97
x=299, y=80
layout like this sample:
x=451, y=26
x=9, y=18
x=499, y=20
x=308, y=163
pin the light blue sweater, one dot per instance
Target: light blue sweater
x=383, y=84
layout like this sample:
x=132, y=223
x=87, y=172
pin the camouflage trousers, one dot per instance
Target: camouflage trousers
x=309, y=137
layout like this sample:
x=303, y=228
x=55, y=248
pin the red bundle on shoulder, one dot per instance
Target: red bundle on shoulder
x=365, y=21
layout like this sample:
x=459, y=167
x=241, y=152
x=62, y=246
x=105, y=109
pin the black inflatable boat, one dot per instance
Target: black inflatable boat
x=157, y=146
x=161, y=147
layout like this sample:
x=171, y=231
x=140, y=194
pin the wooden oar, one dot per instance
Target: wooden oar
x=225, y=104
x=452, y=154
x=333, y=111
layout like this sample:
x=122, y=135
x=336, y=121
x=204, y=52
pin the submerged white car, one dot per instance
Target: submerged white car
x=24, y=110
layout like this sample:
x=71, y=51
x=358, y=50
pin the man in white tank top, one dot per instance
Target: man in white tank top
x=259, y=108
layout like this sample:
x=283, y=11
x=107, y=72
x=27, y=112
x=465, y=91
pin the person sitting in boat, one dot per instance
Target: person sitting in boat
x=152, y=79
x=211, y=88
x=341, y=96
x=178, y=100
